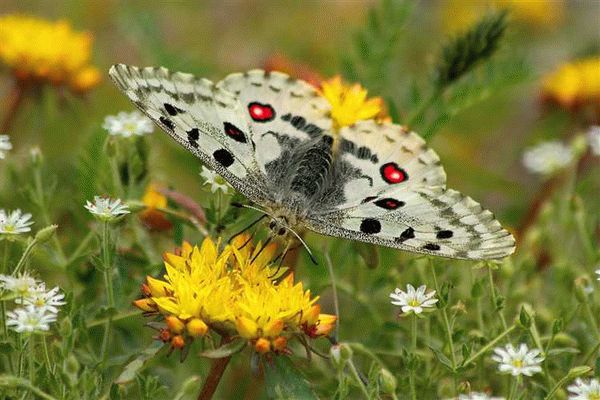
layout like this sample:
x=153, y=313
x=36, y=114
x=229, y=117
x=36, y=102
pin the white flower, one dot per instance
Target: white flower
x=412, y=300
x=128, y=124
x=477, y=396
x=215, y=180
x=593, y=137
x=48, y=301
x=14, y=222
x=582, y=390
x=5, y=145
x=598, y=273
x=518, y=362
x=106, y=209
x=547, y=158
x=29, y=319
x=20, y=286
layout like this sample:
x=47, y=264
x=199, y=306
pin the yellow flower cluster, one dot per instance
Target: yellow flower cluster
x=233, y=293
x=574, y=84
x=460, y=14
x=349, y=103
x=44, y=51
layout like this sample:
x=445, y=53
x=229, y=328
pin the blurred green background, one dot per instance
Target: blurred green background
x=480, y=145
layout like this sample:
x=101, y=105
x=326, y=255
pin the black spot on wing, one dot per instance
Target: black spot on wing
x=223, y=157
x=389, y=204
x=172, y=110
x=234, y=132
x=167, y=123
x=431, y=246
x=370, y=226
x=408, y=233
x=193, y=136
x=444, y=234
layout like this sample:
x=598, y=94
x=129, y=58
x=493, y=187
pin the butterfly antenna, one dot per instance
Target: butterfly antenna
x=312, y=257
x=264, y=246
x=246, y=228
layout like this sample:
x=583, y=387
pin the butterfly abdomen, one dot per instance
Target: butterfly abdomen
x=313, y=168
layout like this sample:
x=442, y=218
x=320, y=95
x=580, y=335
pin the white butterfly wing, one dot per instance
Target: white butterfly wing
x=207, y=120
x=400, y=199
x=283, y=113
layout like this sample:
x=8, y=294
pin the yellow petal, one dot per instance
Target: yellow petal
x=246, y=327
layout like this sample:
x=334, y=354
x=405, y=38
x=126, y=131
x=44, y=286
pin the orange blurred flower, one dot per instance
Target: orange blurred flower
x=152, y=218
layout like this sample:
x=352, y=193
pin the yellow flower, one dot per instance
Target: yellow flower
x=47, y=52
x=459, y=15
x=234, y=292
x=151, y=217
x=575, y=84
x=349, y=103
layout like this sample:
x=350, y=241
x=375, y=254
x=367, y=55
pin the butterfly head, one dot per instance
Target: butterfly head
x=279, y=226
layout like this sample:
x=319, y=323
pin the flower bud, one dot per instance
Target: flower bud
x=280, y=343
x=146, y=305
x=387, y=381
x=35, y=154
x=196, y=327
x=262, y=346
x=174, y=324
x=45, y=234
x=178, y=342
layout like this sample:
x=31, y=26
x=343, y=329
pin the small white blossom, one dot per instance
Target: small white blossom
x=415, y=301
x=14, y=222
x=128, y=124
x=20, y=286
x=477, y=396
x=598, y=273
x=518, y=362
x=582, y=390
x=106, y=209
x=593, y=137
x=547, y=158
x=5, y=145
x=29, y=319
x=48, y=301
x=215, y=180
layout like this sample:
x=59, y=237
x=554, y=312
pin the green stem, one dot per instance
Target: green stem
x=413, y=333
x=447, y=327
x=588, y=357
x=412, y=386
x=15, y=382
x=25, y=256
x=513, y=387
x=591, y=318
x=494, y=298
x=488, y=346
x=417, y=115
x=558, y=385
x=49, y=366
x=584, y=235
x=359, y=381
x=41, y=200
x=107, y=269
x=3, y=304
x=31, y=358
x=336, y=306
x=81, y=248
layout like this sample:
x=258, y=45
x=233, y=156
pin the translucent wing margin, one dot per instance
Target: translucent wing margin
x=436, y=221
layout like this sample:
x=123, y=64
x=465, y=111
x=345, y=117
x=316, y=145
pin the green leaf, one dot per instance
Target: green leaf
x=138, y=363
x=226, y=350
x=284, y=381
x=442, y=358
x=465, y=51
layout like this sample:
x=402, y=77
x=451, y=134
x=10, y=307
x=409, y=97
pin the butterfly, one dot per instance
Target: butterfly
x=272, y=138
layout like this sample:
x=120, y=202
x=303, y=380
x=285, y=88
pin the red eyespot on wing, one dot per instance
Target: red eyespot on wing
x=392, y=173
x=261, y=112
